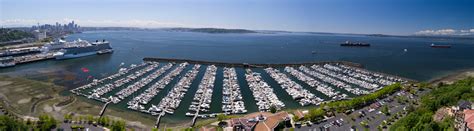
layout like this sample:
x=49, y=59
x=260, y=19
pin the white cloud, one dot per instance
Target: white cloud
x=445, y=32
x=93, y=23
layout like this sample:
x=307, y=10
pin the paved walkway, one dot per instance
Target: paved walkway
x=67, y=127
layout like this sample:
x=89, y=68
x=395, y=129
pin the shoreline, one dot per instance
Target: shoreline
x=452, y=76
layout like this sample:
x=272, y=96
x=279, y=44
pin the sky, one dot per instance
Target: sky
x=394, y=17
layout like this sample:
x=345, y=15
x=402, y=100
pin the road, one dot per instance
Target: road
x=90, y=127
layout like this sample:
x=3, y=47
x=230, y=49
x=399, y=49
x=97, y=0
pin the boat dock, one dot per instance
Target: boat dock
x=273, y=86
x=16, y=60
x=33, y=58
x=103, y=109
x=158, y=119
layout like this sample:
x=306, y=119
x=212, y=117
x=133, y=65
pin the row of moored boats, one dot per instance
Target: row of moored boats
x=262, y=92
x=232, y=100
x=295, y=90
x=335, y=81
x=203, y=96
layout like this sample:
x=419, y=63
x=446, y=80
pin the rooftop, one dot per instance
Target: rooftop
x=469, y=118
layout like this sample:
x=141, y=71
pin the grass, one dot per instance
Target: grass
x=206, y=122
x=22, y=94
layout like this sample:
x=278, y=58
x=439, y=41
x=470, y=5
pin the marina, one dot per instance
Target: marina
x=236, y=65
x=203, y=97
x=294, y=89
x=172, y=101
x=232, y=101
x=305, y=85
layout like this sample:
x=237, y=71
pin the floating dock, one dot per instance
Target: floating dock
x=265, y=65
x=312, y=83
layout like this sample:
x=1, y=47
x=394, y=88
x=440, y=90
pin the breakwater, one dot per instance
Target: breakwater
x=249, y=65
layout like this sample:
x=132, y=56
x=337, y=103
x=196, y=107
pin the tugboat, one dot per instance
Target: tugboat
x=440, y=46
x=358, y=44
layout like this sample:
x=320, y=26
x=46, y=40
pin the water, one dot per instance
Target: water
x=419, y=62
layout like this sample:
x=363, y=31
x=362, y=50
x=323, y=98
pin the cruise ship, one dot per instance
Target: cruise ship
x=56, y=45
x=81, y=48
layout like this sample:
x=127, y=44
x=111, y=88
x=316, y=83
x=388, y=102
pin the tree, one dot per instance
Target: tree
x=444, y=95
x=46, y=122
x=273, y=109
x=410, y=108
x=10, y=124
x=385, y=110
x=364, y=124
x=90, y=119
x=117, y=126
x=67, y=117
x=296, y=118
x=221, y=117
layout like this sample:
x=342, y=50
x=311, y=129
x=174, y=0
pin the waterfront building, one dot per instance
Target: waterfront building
x=40, y=35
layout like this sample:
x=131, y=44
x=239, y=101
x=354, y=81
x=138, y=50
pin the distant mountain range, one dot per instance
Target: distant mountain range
x=469, y=37
x=211, y=30
x=241, y=31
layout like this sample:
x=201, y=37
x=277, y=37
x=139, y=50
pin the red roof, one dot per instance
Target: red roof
x=469, y=118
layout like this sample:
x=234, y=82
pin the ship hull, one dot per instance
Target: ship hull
x=441, y=46
x=75, y=52
x=70, y=56
x=356, y=45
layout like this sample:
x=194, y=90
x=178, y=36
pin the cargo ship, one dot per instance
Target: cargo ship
x=82, y=48
x=440, y=46
x=358, y=44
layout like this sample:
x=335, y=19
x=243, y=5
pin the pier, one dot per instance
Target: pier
x=194, y=119
x=33, y=58
x=103, y=109
x=158, y=119
x=306, y=84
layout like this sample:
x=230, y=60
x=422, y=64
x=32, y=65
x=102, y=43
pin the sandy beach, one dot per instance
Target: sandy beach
x=452, y=77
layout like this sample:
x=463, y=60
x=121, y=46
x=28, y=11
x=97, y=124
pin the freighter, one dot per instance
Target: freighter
x=81, y=48
x=358, y=44
x=440, y=46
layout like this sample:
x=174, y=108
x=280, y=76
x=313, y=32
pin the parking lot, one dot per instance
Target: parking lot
x=372, y=116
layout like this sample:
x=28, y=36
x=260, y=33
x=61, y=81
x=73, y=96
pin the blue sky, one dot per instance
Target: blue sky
x=400, y=17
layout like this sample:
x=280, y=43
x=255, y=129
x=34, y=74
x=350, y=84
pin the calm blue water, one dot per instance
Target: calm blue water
x=386, y=54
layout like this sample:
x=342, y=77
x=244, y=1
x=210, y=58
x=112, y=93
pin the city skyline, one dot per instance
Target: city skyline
x=364, y=17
